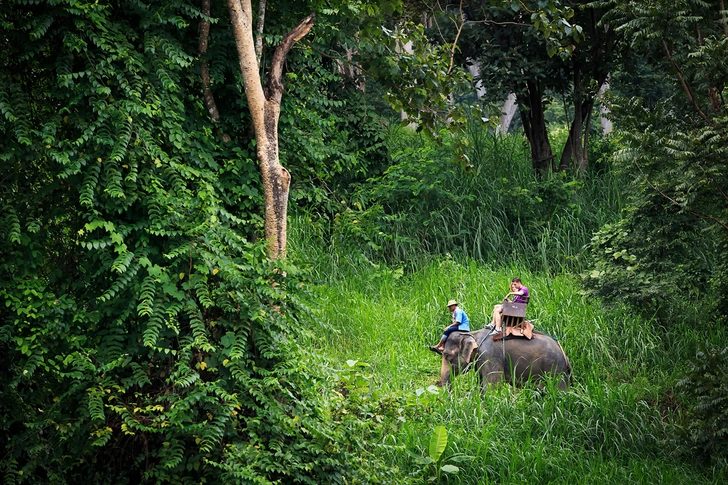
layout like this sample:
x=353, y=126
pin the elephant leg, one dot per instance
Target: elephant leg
x=563, y=384
x=445, y=373
x=491, y=375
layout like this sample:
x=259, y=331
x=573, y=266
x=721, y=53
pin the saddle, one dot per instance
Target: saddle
x=514, y=323
x=523, y=331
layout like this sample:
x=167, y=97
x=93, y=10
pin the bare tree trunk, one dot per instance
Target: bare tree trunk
x=577, y=143
x=585, y=148
x=259, y=30
x=576, y=150
x=534, y=125
x=474, y=70
x=264, y=103
x=604, y=122
x=573, y=146
x=509, y=110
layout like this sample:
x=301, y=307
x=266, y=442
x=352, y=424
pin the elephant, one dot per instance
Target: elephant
x=513, y=361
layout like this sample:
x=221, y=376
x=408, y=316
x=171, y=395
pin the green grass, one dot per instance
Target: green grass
x=616, y=424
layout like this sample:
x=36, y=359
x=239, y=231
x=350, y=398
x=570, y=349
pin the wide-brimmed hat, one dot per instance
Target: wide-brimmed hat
x=451, y=303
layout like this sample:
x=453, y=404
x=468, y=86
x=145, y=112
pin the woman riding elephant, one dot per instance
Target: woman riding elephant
x=508, y=360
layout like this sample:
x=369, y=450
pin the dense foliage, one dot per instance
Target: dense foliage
x=492, y=208
x=670, y=246
x=667, y=254
x=144, y=335
x=706, y=382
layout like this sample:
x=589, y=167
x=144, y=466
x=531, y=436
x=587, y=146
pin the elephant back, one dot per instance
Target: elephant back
x=540, y=355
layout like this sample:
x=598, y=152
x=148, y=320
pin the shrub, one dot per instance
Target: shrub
x=706, y=434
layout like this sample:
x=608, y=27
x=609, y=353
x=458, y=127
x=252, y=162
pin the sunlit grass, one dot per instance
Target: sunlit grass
x=609, y=427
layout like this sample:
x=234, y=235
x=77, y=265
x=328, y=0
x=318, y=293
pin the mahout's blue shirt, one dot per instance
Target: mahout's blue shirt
x=459, y=317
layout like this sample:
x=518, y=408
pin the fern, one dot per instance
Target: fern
x=146, y=296
x=172, y=453
x=199, y=333
x=86, y=196
x=121, y=282
x=152, y=330
x=96, y=404
x=11, y=225
x=122, y=262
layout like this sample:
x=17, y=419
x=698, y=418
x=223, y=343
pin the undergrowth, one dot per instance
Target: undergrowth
x=488, y=205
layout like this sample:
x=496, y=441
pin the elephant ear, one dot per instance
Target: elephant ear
x=468, y=345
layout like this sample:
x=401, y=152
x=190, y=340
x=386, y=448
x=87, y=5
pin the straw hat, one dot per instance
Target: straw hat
x=451, y=303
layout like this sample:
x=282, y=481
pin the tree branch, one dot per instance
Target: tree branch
x=207, y=95
x=273, y=86
x=457, y=36
x=684, y=83
x=259, y=31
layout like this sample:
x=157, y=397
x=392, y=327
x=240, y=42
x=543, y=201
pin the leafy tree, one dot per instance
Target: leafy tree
x=145, y=336
x=671, y=244
x=531, y=49
x=417, y=77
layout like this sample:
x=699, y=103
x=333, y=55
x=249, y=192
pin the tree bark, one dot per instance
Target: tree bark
x=509, y=110
x=576, y=149
x=534, y=125
x=264, y=103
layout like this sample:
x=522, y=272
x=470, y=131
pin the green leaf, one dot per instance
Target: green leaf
x=450, y=469
x=438, y=442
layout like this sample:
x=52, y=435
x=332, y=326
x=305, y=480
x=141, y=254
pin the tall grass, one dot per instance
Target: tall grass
x=489, y=205
x=614, y=425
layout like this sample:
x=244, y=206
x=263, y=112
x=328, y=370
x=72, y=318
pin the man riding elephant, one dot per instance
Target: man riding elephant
x=460, y=323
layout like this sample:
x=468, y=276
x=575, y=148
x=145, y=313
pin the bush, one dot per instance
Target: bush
x=706, y=434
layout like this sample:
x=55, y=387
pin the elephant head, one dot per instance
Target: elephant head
x=460, y=352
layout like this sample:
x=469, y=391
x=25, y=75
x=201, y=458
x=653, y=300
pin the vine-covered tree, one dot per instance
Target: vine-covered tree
x=145, y=336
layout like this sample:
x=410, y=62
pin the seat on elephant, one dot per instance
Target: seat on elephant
x=514, y=321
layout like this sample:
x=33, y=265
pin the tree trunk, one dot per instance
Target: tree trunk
x=573, y=147
x=509, y=110
x=474, y=70
x=604, y=122
x=264, y=103
x=576, y=150
x=577, y=143
x=534, y=125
